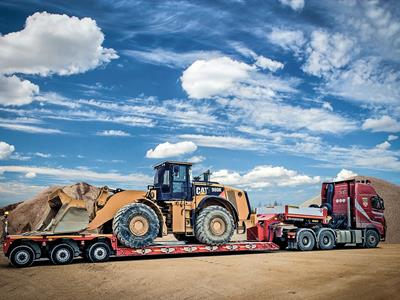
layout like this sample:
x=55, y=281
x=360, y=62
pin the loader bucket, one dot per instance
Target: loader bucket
x=65, y=214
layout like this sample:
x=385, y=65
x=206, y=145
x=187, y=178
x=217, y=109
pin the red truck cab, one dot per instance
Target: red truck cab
x=354, y=204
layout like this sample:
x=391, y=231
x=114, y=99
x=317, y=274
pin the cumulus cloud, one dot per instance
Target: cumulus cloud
x=6, y=150
x=344, y=174
x=252, y=96
x=112, y=133
x=382, y=124
x=170, y=150
x=267, y=63
x=287, y=39
x=207, y=78
x=264, y=176
x=15, y=91
x=30, y=175
x=327, y=52
x=48, y=44
x=383, y=146
x=296, y=5
x=54, y=44
x=197, y=159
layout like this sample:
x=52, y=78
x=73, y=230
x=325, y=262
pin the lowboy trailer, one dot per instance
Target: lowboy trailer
x=351, y=212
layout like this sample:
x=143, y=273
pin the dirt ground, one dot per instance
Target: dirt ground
x=340, y=274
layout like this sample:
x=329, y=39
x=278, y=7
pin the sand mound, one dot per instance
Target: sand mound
x=391, y=195
x=27, y=215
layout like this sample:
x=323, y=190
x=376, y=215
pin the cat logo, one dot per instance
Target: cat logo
x=201, y=190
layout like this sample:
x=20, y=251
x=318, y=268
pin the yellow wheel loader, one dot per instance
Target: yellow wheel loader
x=191, y=209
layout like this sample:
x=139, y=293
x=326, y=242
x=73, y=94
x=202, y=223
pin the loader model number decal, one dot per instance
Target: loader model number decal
x=206, y=190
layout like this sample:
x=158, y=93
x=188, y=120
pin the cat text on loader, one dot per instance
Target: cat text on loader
x=192, y=209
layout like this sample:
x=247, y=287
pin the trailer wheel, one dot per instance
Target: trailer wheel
x=214, y=225
x=136, y=225
x=305, y=240
x=62, y=254
x=326, y=240
x=98, y=252
x=371, y=239
x=22, y=256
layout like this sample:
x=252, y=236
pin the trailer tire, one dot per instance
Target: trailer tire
x=61, y=254
x=98, y=252
x=22, y=256
x=305, y=240
x=371, y=239
x=136, y=225
x=326, y=240
x=214, y=225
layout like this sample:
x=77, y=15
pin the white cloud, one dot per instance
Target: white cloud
x=14, y=91
x=170, y=150
x=197, y=159
x=207, y=78
x=392, y=137
x=287, y=39
x=382, y=124
x=79, y=174
x=344, y=174
x=170, y=58
x=30, y=175
x=43, y=155
x=383, y=146
x=30, y=128
x=264, y=176
x=54, y=44
x=6, y=150
x=112, y=133
x=267, y=63
x=225, y=142
x=327, y=52
x=294, y=4
x=366, y=81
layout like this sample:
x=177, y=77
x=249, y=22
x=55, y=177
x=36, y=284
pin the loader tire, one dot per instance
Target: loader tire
x=136, y=225
x=214, y=225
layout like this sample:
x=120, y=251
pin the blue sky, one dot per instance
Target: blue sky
x=272, y=96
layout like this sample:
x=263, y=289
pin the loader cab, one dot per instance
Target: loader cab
x=172, y=180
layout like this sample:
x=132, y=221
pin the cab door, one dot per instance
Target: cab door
x=181, y=187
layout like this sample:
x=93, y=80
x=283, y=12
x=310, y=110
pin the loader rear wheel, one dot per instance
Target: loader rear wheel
x=305, y=240
x=214, y=226
x=98, y=252
x=62, y=254
x=136, y=225
x=22, y=256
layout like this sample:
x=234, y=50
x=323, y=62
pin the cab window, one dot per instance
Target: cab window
x=376, y=202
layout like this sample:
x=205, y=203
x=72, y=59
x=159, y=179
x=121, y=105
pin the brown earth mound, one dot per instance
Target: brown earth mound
x=27, y=215
x=391, y=195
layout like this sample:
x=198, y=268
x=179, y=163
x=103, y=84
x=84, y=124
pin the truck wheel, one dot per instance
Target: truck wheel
x=136, y=225
x=305, y=240
x=214, y=226
x=371, y=239
x=326, y=240
x=98, y=252
x=22, y=256
x=62, y=254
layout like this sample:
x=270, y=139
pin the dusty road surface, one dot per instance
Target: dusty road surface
x=343, y=274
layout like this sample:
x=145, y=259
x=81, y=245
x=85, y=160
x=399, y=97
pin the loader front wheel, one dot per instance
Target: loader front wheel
x=136, y=225
x=214, y=226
